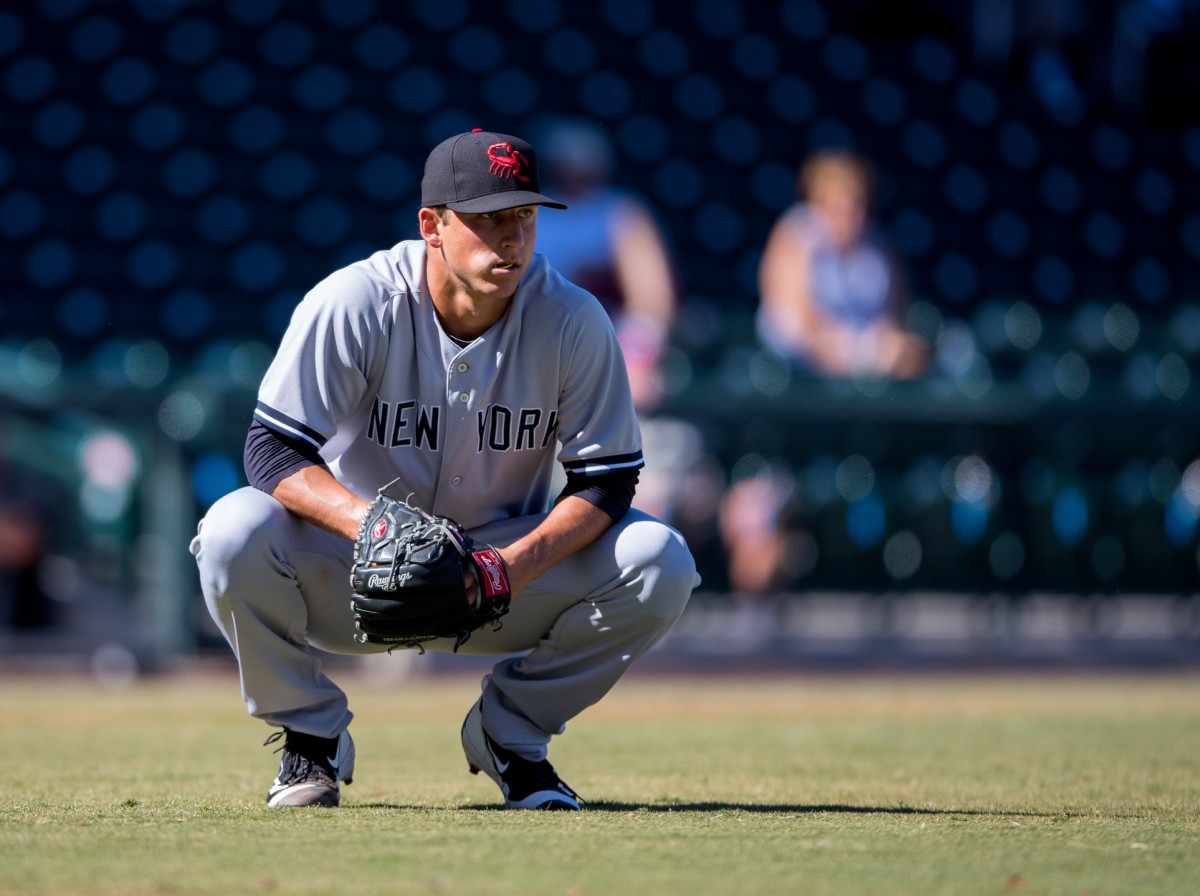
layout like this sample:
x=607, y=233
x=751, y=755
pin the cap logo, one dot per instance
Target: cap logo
x=507, y=162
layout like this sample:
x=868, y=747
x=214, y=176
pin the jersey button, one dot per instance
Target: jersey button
x=464, y=397
x=463, y=366
x=457, y=480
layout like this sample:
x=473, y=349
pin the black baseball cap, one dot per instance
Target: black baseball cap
x=482, y=171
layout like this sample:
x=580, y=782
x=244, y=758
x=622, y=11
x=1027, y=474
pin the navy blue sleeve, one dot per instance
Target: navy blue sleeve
x=270, y=457
x=611, y=492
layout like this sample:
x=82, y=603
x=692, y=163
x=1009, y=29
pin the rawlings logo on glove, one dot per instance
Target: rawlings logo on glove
x=408, y=578
x=495, y=576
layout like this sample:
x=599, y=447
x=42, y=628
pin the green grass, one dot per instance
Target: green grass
x=804, y=784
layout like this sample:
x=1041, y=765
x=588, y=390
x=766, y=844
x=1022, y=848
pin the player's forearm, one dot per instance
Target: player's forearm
x=572, y=525
x=314, y=495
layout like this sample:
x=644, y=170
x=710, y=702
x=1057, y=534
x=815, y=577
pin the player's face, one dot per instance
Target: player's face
x=487, y=254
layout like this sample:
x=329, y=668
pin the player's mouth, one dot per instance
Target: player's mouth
x=507, y=266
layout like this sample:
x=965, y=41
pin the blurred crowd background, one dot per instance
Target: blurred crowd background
x=998, y=400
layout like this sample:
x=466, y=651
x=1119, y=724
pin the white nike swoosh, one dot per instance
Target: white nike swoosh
x=501, y=767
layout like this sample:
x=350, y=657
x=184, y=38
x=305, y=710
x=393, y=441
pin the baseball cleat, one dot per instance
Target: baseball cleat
x=311, y=768
x=524, y=783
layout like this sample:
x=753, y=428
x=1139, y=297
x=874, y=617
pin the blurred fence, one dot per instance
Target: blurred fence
x=174, y=175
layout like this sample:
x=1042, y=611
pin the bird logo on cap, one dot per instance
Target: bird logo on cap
x=507, y=162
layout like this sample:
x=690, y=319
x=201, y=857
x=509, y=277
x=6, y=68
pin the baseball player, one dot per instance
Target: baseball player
x=459, y=368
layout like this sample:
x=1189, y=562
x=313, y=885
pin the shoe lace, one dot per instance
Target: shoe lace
x=296, y=767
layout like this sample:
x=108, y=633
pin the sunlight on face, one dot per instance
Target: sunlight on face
x=487, y=254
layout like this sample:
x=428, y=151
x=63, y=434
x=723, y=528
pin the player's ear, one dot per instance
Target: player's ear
x=429, y=220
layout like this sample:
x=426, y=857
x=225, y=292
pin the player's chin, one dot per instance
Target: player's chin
x=502, y=282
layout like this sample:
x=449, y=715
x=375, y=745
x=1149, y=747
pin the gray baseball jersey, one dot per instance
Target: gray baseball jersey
x=366, y=374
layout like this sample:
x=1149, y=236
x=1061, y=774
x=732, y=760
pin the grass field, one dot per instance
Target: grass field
x=955, y=784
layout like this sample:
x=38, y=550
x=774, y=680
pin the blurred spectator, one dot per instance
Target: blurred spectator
x=1136, y=55
x=758, y=548
x=832, y=301
x=1154, y=70
x=609, y=243
x=832, y=293
x=1052, y=47
x=23, y=604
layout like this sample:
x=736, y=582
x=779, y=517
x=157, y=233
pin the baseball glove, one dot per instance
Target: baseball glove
x=408, y=578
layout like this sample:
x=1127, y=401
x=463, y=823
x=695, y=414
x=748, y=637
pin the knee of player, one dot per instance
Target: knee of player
x=667, y=566
x=232, y=527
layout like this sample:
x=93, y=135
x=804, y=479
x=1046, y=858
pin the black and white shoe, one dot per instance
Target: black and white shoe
x=311, y=768
x=525, y=784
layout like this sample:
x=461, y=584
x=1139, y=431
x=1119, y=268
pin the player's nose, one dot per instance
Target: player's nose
x=518, y=232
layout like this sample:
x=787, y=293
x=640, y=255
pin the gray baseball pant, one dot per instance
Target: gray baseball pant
x=277, y=587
